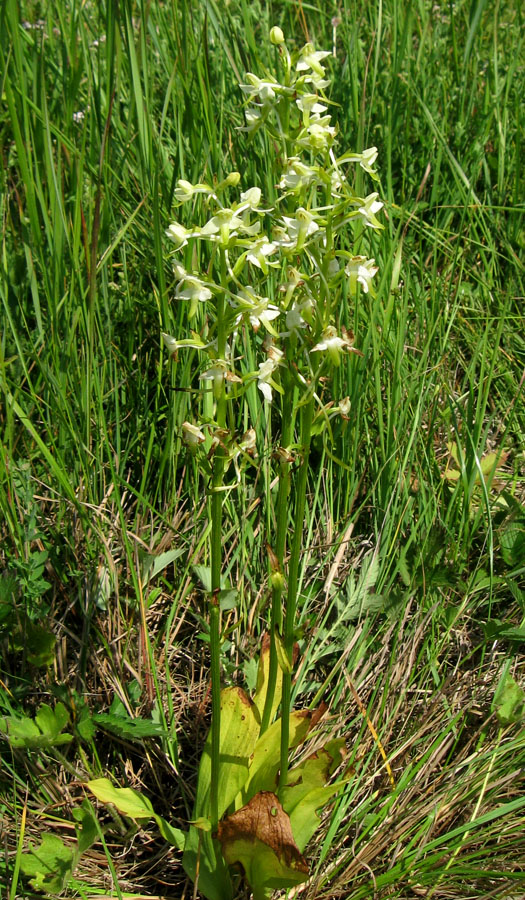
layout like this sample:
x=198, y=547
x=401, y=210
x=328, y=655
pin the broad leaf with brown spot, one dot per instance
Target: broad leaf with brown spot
x=259, y=838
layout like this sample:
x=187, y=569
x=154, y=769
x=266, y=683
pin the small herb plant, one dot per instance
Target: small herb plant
x=264, y=281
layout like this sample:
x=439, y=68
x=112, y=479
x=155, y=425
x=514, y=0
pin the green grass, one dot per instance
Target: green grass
x=412, y=586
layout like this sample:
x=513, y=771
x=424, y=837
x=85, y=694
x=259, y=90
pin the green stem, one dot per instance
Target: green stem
x=293, y=581
x=280, y=544
x=216, y=567
x=215, y=635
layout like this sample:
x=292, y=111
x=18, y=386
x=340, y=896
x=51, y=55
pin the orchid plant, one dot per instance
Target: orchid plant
x=262, y=282
x=268, y=275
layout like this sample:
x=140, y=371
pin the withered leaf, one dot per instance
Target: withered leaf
x=259, y=837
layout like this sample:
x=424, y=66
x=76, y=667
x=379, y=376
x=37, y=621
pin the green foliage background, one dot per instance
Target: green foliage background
x=104, y=106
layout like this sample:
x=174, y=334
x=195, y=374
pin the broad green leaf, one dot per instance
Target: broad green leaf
x=125, y=726
x=128, y=801
x=85, y=827
x=239, y=733
x=174, y=836
x=259, y=837
x=84, y=725
x=509, y=701
x=262, y=681
x=202, y=852
x=152, y=563
x=307, y=790
x=40, y=645
x=43, y=731
x=135, y=805
x=267, y=755
x=304, y=819
x=314, y=772
x=21, y=731
x=48, y=866
x=52, y=721
x=493, y=461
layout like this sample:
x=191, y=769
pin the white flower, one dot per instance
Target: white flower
x=225, y=226
x=295, y=279
x=191, y=435
x=258, y=252
x=178, y=234
x=191, y=288
x=319, y=134
x=254, y=118
x=366, y=159
x=194, y=290
x=258, y=88
x=344, y=406
x=369, y=209
x=311, y=59
x=250, y=199
x=266, y=370
x=216, y=372
x=298, y=229
x=361, y=270
x=185, y=190
x=333, y=267
x=309, y=103
x=172, y=345
x=299, y=314
x=258, y=310
x=333, y=343
x=297, y=175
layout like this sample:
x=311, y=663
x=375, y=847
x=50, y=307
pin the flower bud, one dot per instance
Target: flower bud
x=276, y=35
x=233, y=179
x=191, y=435
x=277, y=581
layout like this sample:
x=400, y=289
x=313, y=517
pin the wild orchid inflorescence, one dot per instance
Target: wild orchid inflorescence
x=275, y=269
x=264, y=282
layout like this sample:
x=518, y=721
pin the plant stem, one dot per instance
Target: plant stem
x=293, y=577
x=216, y=567
x=280, y=543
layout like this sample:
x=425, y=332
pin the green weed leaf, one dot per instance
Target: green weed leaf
x=124, y=726
x=85, y=827
x=136, y=806
x=128, y=801
x=44, y=731
x=509, y=701
x=48, y=866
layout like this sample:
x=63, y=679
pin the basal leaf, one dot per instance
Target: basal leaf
x=203, y=854
x=262, y=681
x=239, y=733
x=267, y=754
x=259, y=837
x=509, y=701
